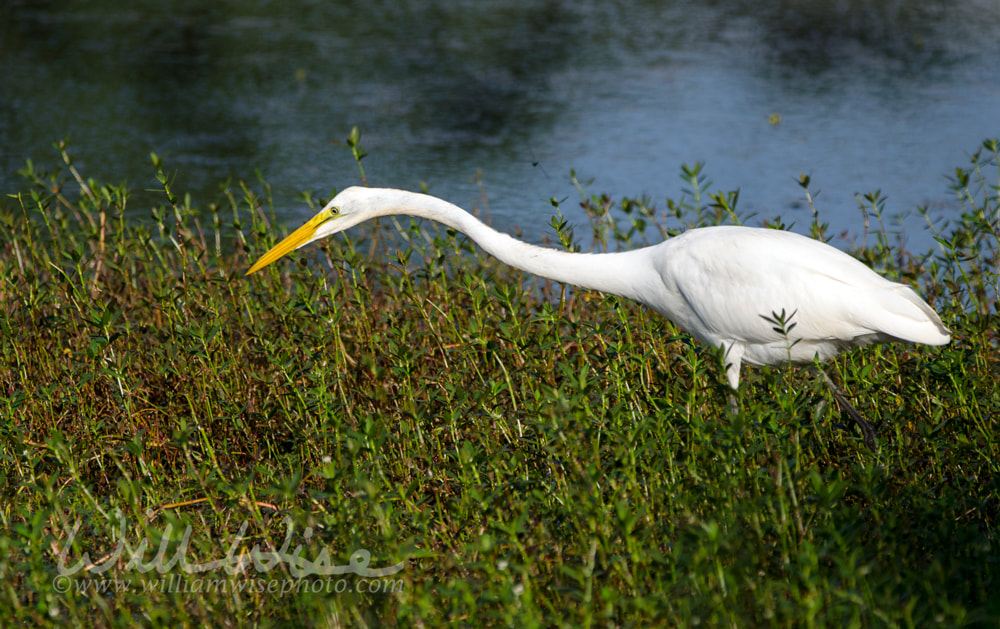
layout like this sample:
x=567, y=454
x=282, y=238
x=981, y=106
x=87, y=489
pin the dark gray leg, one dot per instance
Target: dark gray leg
x=845, y=407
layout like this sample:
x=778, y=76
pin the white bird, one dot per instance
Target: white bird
x=722, y=285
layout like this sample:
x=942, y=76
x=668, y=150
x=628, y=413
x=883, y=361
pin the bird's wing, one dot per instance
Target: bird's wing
x=733, y=279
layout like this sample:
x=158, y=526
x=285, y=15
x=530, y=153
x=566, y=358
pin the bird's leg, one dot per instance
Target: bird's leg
x=867, y=432
x=734, y=406
x=731, y=357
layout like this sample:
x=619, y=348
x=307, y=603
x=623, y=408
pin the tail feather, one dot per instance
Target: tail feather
x=911, y=319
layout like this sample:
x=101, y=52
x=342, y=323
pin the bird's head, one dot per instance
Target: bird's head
x=347, y=209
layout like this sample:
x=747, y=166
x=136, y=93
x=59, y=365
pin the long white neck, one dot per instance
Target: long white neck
x=613, y=273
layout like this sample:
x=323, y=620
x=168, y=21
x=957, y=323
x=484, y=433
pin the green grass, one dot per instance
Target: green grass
x=536, y=455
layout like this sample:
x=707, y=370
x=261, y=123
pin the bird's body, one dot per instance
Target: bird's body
x=723, y=285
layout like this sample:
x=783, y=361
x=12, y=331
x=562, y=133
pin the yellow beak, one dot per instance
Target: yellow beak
x=293, y=241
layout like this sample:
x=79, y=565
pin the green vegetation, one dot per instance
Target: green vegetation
x=536, y=455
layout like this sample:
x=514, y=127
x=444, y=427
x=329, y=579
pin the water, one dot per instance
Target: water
x=871, y=94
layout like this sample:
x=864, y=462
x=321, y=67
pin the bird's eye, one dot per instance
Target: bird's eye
x=335, y=210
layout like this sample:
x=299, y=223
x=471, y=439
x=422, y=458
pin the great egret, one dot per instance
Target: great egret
x=722, y=285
